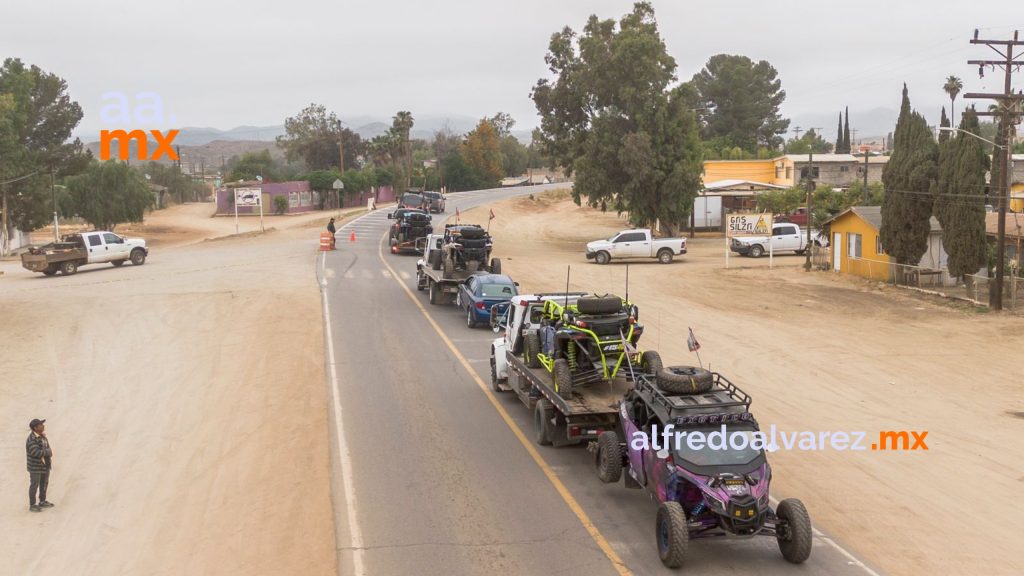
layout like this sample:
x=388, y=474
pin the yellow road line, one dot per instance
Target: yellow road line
x=567, y=496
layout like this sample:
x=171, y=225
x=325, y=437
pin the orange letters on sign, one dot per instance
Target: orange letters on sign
x=124, y=138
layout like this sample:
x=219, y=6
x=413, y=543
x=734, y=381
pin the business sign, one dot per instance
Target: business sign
x=248, y=197
x=748, y=225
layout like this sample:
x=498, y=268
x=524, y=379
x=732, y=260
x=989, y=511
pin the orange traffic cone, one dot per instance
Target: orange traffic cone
x=352, y=236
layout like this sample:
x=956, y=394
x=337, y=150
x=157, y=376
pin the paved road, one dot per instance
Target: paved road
x=433, y=475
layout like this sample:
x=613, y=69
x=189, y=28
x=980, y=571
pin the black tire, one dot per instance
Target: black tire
x=650, y=363
x=435, y=260
x=68, y=267
x=665, y=256
x=542, y=422
x=801, y=252
x=562, y=377
x=473, y=232
x=495, y=387
x=449, y=267
x=50, y=270
x=685, y=380
x=421, y=285
x=138, y=257
x=608, y=459
x=435, y=294
x=796, y=545
x=495, y=265
x=756, y=251
x=599, y=304
x=671, y=533
x=118, y=262
x=602, y=257
x=470, y=318
x=531, y=347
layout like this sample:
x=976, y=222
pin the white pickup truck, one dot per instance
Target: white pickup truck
x=786, y=237
x=635, y=243
x=76, y=250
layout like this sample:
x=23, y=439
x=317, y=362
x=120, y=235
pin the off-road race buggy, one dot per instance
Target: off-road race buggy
x=704, y=489
x=408, y=228
x=466, y=247
x=588, y=341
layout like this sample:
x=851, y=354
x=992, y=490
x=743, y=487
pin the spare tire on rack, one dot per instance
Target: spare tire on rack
x=599, y=305
x=685, y=380
x=473, y=232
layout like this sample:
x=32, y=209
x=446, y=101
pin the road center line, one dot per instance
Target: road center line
x=584, y=519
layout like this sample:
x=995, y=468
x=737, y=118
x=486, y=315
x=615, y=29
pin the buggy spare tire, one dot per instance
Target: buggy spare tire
x=685, y=380
x=650, y=362
x=495, y=266
x=599, y=304
x=472, y=232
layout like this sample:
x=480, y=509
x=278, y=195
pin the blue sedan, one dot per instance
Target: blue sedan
x=481, y=291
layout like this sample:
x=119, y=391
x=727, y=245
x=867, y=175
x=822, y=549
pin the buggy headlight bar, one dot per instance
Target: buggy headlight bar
x=715, y=418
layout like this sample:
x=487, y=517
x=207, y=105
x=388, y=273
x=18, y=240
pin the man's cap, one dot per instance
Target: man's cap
x=35, y=422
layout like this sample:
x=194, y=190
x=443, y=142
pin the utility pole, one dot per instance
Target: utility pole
x=866, y=155
x=854, y=138
x=810, y=194
x=1009, y=113
x=56, y=223
x=341, y=152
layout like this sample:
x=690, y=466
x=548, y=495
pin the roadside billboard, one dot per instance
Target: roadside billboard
x=248, y=197
x=749, y=224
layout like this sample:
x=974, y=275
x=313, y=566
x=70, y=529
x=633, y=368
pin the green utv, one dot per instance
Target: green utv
x=589, y=341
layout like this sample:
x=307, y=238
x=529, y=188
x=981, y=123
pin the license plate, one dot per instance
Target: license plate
x=612, y=347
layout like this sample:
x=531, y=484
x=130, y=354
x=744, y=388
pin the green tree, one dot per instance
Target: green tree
x=847, y=144
x=953, y=86
x=908, y=176
x=959, y=205
x=109, y=193
x=313, y=135
x=739, y=100
x=253, y=164
x=401, y=127
x=839, y=135
x=943, y=123
x=36, y=120
x=810, y=141
x=781, y=201
x=482, y=152
x=610, y=118
x=458, y=174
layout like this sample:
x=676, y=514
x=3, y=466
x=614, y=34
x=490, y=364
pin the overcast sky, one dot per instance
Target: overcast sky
x=223, y=64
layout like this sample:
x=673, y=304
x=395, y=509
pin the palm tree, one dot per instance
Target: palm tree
x=953, y=86
x=403, y=123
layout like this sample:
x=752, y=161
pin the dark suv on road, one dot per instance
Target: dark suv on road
x=433, y=202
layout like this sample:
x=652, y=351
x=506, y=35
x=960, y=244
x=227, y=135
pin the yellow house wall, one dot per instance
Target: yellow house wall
x=787, y=173
x=1017, y=204
x=871, y=264
x=755, y=170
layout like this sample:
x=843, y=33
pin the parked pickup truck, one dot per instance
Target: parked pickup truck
x=76, y=250
x=636, y=243
x=786, y=237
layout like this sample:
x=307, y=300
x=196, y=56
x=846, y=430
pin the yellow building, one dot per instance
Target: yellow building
x=854, y=243
x=749, y=170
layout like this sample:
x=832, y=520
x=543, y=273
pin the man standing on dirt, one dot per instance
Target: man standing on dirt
x=39, y=455
x=330, y=227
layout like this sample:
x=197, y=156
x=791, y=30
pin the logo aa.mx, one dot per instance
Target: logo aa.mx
x=149, y=110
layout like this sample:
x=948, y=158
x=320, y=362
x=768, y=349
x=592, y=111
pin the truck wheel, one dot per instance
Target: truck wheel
x=602, y=257
x=495, y=265
x=542, y=422
x=421, y=285
x=470, y=318
x=449, y=267
x=800, y=252
x=531, y=348
x=562, y=377
x=608, y=459
x=673, y=536
x=495, y=387
x=118, y=262
x=650, y=363
x=50, y=270
x=795, y=543
x=138, y=257
x=665, y=256
x=435, y=293
x=68, y=268
x=685, y=380
x=756, y=251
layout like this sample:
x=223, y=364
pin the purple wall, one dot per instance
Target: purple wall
x=301, y=198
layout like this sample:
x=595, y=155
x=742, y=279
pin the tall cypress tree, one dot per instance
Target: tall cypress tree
x=847, y=145
x=908, y=177
x=839, y=135
x=943, y=135
x=959, y=204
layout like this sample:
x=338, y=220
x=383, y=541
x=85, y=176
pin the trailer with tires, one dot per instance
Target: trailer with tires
x=562, y=415
x=450, y=258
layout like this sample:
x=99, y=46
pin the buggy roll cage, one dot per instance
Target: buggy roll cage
x=698, y=409
x=567, y=314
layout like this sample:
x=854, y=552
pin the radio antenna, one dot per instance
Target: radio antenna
x=568, y=269
x=627, y=284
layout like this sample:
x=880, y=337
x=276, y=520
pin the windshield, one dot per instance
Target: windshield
x=709, y=454
x=497, y=290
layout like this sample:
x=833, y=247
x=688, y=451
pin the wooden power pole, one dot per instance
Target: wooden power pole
x=1009, y=112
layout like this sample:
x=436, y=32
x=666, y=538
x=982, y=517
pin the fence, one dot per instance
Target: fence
x=973, y=287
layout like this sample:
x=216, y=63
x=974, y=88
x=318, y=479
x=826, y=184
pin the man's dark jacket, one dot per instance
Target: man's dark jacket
x=38, y=453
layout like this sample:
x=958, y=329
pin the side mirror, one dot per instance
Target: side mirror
x=391, y=216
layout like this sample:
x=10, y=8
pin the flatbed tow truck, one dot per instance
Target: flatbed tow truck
x=439, y=274
x=588, y=412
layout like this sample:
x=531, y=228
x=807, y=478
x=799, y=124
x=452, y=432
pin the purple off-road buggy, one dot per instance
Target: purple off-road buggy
x=702, y=491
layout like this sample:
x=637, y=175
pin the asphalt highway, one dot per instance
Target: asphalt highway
x=434, y=474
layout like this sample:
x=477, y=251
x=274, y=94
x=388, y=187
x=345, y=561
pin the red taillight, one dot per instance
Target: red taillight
x=574, y=431
x=582, y=324
x=481, y=306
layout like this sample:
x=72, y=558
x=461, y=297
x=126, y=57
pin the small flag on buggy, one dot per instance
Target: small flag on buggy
x=692, y=343
x=491, y=217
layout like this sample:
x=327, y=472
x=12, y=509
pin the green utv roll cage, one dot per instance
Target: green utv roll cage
x=599, y=338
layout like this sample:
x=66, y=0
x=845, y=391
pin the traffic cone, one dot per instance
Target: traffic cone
x=352, y=236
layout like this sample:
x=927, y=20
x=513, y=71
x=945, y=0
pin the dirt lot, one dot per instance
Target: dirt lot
x=822, y=352
x=186, y=404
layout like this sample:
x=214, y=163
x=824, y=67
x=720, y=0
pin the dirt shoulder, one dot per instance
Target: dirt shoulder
x=822, y=352
x=186, y=403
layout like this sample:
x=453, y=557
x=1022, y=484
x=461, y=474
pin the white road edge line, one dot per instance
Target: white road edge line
x=821, y=536
x=355, y=533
